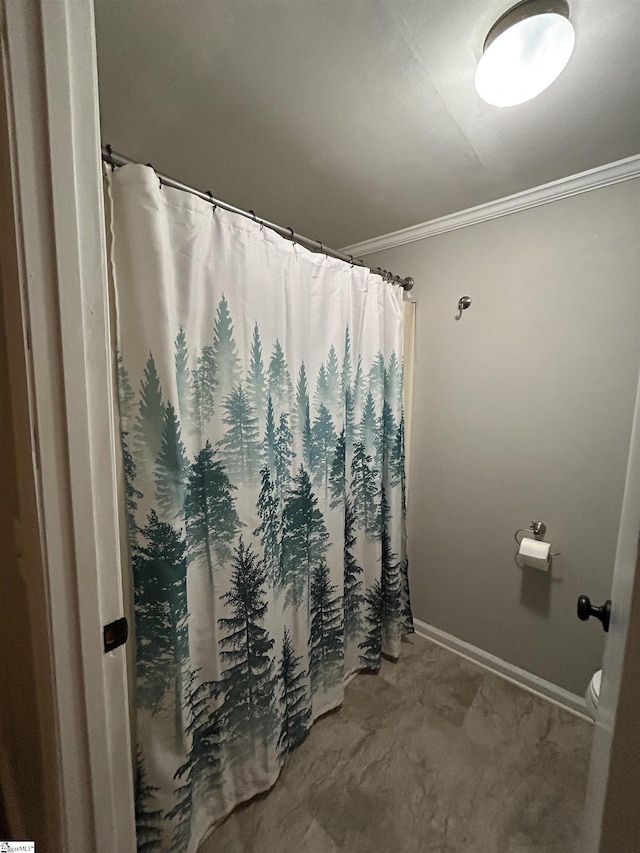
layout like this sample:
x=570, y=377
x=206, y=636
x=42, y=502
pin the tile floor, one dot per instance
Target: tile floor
x=433, y=754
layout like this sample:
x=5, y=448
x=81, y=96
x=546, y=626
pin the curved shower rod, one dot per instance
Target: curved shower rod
x=113, y=159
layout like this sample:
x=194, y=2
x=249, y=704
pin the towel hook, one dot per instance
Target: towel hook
x=463, y=303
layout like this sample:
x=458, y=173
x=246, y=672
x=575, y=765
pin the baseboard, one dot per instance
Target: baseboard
x=520, y=677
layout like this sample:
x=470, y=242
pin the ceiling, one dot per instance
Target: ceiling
x=348, y=119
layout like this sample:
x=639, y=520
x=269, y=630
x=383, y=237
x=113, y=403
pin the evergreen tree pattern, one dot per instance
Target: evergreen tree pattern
x=301, y=407
x=172, y=467
x=390, y=578
x=270, y=440
x=160, y=591
x=202, y=769
x=349, y=415
x=324, y=439
x=239, y=446
x=126, y=394
x=280, y=386
x=393, y=390
x=296, y=711
x=248, y=683
x=371, y=646
x=225, y=352
x=377, y=378
x=211, y=518
x=358, y=388
x=229, y=423
x=256, y=379
x=149, y=829
x=385, y=440
x=364, y=489
x=308, y=445
x=353, y=598
x=326, y=637
x=322, y=397
x=333, y=379
x=284, y=458
x=147, y=430
x=337, y=473
x=405, y=599
x=183, y=376
x=270, y=526
x=397, y=462
x=204, y=389
x=132, y=494
x=304, y=540
x=345, y=377
x=368, y=428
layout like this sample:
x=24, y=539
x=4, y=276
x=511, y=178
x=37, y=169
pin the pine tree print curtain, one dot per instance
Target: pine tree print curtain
x=260, y=390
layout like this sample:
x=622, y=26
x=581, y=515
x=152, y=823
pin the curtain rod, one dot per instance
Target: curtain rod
x=113, y=159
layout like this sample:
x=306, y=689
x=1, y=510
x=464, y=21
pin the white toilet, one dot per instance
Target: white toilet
x=593, y=694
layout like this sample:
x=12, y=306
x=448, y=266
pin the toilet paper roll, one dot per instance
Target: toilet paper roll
x=535, y=554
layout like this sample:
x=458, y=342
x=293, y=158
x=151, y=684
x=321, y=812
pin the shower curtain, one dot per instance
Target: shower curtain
x=260, y=396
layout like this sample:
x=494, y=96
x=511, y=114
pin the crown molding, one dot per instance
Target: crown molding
x=593, y=179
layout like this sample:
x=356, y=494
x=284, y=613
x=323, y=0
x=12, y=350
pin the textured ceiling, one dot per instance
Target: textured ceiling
x=348, y=119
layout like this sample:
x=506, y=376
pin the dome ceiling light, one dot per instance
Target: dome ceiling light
x=524, y=52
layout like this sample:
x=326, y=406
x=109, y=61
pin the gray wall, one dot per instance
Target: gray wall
x=522, y=410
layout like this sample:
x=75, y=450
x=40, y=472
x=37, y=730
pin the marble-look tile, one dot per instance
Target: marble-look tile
x=276, y=821
x=434, y=677
x=432, y=756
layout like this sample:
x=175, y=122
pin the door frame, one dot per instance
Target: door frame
x=56, y=290
x=611, y=820
x=62, y=347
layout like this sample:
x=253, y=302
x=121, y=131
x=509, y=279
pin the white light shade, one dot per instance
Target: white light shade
x=523, y=60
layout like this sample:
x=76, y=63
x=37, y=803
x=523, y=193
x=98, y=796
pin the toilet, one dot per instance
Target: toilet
x=593, y=694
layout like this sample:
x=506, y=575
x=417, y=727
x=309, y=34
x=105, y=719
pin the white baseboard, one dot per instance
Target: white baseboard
x=520, y=677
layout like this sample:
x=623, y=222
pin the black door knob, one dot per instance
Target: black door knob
x=587, y=609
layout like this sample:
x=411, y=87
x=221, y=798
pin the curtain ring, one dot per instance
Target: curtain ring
x=351, y=260
x=213, y=204
x=109, y=151
x=319, y=242
x=289, y=228
x=255, y=219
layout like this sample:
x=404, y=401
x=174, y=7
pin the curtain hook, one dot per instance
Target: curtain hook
x=213, y=204
x=255, y=219
x=319, y=242
x=351, y=260
x=109, y=151
x=289, y=228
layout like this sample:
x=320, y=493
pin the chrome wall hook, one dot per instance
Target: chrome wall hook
x=463, y=303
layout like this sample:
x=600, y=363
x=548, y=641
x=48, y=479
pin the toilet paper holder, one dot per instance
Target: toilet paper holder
x=538, y=529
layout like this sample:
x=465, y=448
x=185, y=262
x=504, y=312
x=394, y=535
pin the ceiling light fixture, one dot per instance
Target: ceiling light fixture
x=524, y=52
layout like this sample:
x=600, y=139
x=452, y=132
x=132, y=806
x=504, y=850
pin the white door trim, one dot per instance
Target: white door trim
x=624, y=589
x=51, y=93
